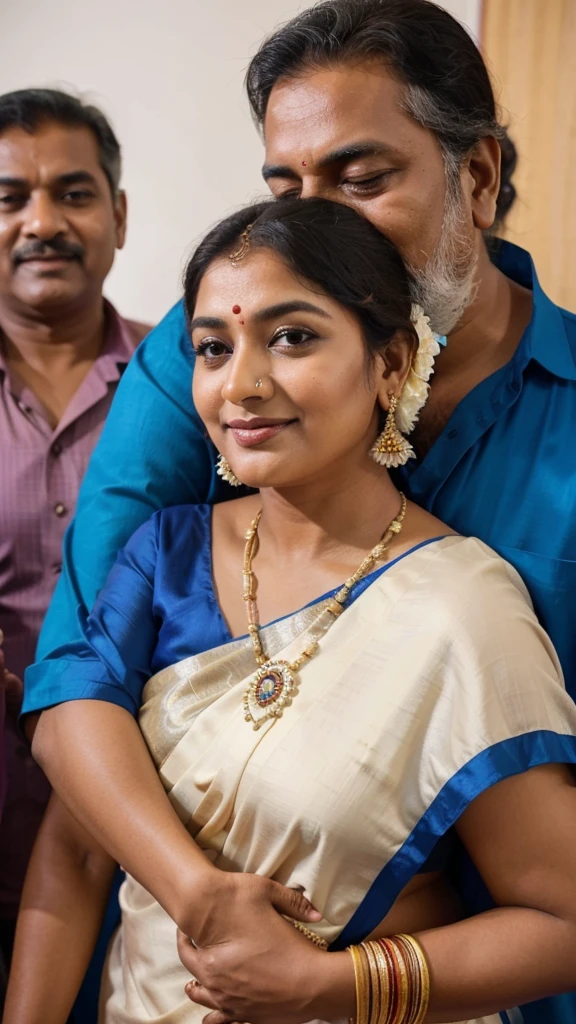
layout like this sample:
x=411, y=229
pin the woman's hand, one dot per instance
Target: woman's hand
x=251, y=965
x=233, y=903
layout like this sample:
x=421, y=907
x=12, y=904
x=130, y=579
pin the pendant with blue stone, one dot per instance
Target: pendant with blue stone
x=269, y=691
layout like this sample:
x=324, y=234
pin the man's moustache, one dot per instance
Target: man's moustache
x=39, y=250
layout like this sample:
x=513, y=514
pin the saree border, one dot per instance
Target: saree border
x=502, y=760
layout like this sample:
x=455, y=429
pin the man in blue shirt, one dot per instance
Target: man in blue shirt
x=385, y=105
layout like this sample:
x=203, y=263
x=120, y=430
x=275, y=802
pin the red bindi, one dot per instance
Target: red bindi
x=236, y=309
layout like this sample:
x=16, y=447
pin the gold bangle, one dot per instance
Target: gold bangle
x=375, y=985
x=392, y=980
x=362, y=991
x=401, y=973
x=414, y=978
x=424, y=975
x=385, y=986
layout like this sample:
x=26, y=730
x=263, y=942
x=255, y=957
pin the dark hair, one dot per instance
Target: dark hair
x=30, y=108
x=326, y=244
x=448, y=88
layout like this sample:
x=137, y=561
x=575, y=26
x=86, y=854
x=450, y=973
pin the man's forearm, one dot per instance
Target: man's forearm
x=62, y=908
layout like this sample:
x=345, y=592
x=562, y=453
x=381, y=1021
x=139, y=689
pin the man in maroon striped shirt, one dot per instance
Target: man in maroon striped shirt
x=63, y=349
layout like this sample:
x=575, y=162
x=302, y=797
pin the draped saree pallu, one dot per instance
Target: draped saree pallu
x=435, y=683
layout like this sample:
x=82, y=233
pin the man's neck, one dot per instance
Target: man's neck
x=485, y=340
x=52, y=356
x=491, y=327
x=55, y=344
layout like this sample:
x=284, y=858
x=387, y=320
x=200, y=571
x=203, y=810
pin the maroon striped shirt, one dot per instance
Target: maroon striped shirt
x=41, y=469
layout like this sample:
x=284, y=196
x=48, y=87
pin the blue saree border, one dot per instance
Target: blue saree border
x=500, y=761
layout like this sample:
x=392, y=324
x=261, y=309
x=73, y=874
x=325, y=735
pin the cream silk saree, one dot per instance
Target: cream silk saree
x=435, y=683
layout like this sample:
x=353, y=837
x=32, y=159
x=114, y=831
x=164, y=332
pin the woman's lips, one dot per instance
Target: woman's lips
x=248, y=434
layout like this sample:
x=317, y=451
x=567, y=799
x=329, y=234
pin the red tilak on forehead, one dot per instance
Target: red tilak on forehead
x=236, y=309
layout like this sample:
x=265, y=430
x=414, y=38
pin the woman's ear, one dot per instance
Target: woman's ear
x=393, y=365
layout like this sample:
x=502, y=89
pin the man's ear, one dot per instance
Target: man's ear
x=120, y=217
x=483, y=169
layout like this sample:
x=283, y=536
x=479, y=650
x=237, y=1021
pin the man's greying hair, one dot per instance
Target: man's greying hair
x=448, y=89
x=30, y=108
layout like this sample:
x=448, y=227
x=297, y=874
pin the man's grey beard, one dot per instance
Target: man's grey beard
x=446, y=286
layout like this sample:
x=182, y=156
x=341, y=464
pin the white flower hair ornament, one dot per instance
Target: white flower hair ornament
x=391, y=448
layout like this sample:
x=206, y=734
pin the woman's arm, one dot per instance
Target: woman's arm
x=521, y=834
x=95, y=757
x=62, y=908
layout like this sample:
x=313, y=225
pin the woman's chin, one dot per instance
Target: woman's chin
x=257, y=481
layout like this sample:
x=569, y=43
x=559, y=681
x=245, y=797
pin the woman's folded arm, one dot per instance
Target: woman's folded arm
x=97, y=761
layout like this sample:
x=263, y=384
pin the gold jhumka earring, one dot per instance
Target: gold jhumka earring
x=224, y=469
x=391, y=448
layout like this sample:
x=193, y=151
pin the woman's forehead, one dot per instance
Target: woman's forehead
x=260, y=278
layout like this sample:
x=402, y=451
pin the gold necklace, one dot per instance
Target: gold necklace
x=273, y=687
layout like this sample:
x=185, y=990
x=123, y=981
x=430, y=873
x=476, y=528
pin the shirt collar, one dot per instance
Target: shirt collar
x=545, y=339
x=118, y=347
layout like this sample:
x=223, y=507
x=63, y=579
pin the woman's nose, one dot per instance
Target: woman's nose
x=245, y=377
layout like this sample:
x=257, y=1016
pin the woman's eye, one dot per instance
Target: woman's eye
x=292, y=337
x=211, y=349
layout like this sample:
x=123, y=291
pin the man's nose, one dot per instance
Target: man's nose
x=313, y=187
x=43, y=218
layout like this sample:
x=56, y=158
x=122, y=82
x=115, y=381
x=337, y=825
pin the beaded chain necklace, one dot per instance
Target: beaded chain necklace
x=274, y=685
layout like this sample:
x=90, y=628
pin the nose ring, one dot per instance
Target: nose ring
x=258, y=383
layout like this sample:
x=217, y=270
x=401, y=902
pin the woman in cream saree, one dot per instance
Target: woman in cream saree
x=430, y=712
x=404, y=717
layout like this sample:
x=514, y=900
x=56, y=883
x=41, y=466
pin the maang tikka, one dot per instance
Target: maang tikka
x=239, y=254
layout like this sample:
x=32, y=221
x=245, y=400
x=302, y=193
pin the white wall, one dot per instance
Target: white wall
x=169, y=75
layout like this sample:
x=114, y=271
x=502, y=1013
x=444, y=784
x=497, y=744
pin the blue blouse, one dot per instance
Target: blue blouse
x=157, y=607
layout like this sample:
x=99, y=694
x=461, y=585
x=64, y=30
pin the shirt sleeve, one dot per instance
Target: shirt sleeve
x=152, y=453
x=110, y=659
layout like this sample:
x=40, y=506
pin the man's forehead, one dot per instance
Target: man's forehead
x=51, y=149
x=331, y=109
